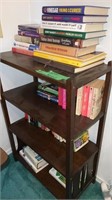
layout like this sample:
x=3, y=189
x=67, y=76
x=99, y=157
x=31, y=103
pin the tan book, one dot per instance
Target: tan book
x=96, y=103
x=67, y=51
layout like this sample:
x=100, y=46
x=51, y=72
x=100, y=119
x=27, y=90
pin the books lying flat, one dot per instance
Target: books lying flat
x=69, y=51
x=35, y=158
x=21, y=152
x=73, y=18
x=68, y=41
x=29, y=27
x=81, y=141
x=83, y=10
x=58, y=176
x=74, y=34
x=77, y=62
x=69, y=26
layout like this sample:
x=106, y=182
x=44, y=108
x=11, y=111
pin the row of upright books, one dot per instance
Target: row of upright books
x=88, y=99
x=67, y=34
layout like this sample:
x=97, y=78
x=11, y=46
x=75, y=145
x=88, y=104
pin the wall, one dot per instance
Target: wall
x=19, y=11
x=12, y=13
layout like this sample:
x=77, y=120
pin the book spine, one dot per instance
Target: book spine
x=26, y=45
x=58, y=49
x=58, y=58
x=48, y=97
x=90, y=102
x=79, y=101
x=28, y=33
x=69, y=34
x=79, y=27
x=64, y=99
x=63, y=18
x=61, y=41
x=22, y=51
x=85, y=100
x=60, y=96
x=26, y=39
x=63, y=9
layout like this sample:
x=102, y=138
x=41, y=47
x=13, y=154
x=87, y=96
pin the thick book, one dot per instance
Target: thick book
x=47, y=96
x=83, y=10
x=58, y=176
x=26, y=45
x=29, y=27
x=35, y=158
x=26, y=39
x=74, y=34
x=76, y=62
x=22, y=51
x=97, y=96
x=74, y=18
x=28, y=33
x=79, y=101
x=30, y=163
x=69, y=26
x=69, y=51
x=68, y=41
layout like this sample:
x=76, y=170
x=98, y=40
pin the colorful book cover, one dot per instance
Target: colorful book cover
x=58, y=176
x=81, y=141
x=85, y=99
x=74, y=34
x=70, y=26
x=83, y=10
x=73, y=18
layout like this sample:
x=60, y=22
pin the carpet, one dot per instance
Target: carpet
x=18, y=183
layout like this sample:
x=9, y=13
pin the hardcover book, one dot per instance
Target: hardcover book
x=69, y=26
x=26, y=39
x=68, y=41
x=83, y=10
x=76, y=62
x=74, y=34
x=74, y=18
x=69, y=51
x=29, y=27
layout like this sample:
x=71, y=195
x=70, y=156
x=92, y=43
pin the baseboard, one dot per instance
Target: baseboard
x=100, y=180
x=9, y=151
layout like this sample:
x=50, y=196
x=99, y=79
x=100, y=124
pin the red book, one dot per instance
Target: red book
x=60, y=96
x=64, y=98
x=85, y=100
x=22, y=51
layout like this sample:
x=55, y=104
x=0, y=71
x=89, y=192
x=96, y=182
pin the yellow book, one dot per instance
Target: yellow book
x=76, y=62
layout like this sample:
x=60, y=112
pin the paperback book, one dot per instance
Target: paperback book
x=58, y=176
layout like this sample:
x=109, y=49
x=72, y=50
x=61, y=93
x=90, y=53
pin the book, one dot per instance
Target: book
x=21, y=152
x=22, y=51
x=26, y=39
x=47, y=96
x=29, y=27
x=85, y=99
x=35, y=158
x=58, y=176
x=28, y=33
x=25, y=45
x=48, y=87
x=83, y=10
x=74, y=18
x=97, y=97
x=76, y=62
x=71, y=34
x=79, y=101
x=69, y=26
x=69, y=51
x=68, y=41
x=81, y=141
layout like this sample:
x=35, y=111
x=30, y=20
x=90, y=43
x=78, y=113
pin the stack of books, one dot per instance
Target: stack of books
x=35, y=161
x=71, y=34
x=27, y=39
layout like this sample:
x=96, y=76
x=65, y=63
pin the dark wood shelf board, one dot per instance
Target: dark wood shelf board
x=48, y=113
x=28, y=65
x=51, y=149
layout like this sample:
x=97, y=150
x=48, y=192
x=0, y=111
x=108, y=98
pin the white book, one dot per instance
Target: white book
x=21, y=152
x=58, y=176
x=69, y=26
x=35, y=158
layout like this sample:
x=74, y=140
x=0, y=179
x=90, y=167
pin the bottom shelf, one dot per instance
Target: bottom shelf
x=46, y=179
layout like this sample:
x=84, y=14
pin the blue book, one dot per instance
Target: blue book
x=78, y=10
x=74, y=18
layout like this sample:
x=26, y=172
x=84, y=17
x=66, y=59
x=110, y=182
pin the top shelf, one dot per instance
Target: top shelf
x=28, y=65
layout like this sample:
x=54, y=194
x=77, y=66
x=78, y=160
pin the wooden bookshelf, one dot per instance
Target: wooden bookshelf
x=64, y=122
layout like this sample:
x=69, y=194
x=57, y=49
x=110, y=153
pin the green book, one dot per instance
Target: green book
x=72, y=34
